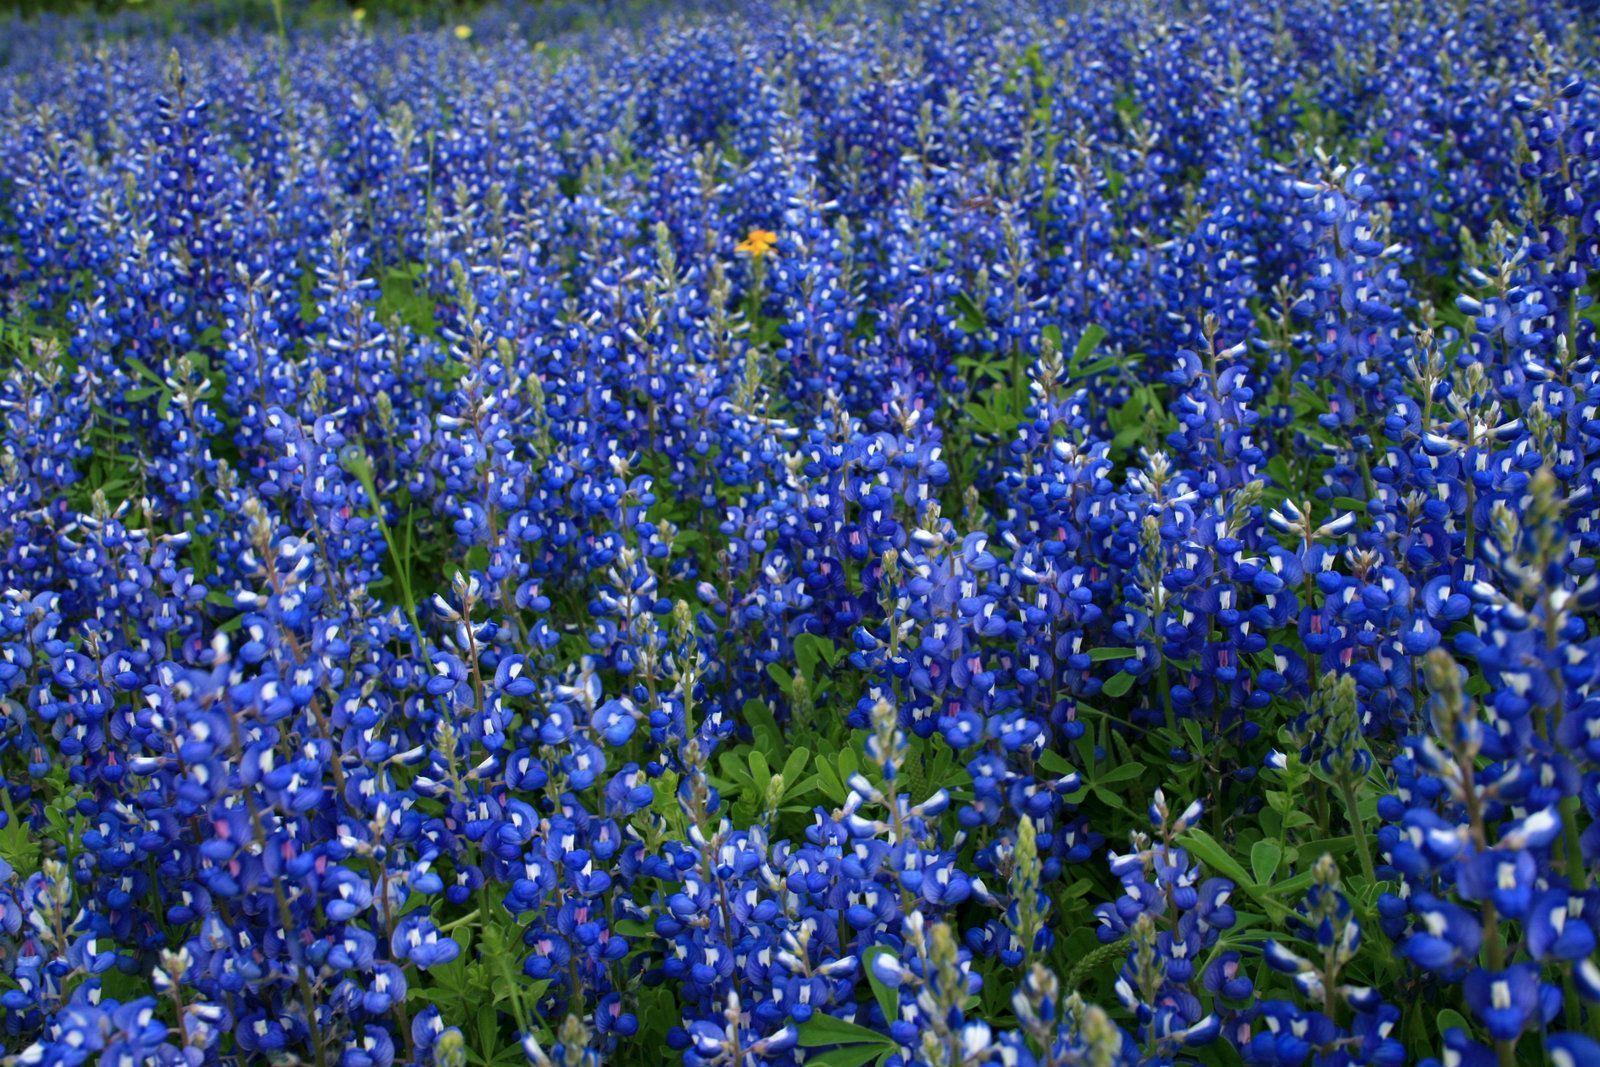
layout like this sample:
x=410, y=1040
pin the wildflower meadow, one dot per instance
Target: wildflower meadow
x=987, y=532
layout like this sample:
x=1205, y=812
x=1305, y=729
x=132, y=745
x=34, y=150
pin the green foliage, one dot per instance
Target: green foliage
x=846, y=1044
x=480, y=985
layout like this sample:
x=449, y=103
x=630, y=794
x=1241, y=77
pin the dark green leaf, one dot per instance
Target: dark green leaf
x=1117, y=684
x=1123, y=773
x=822, y=1030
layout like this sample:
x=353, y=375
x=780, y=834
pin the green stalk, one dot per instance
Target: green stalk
x=357, y=463
x=283, y=65
x=1347, y=792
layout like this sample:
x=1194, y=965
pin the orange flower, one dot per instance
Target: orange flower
x=757, y=243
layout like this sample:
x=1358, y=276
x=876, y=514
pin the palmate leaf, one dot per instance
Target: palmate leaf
x=971, y=317
x=994, y=413
x=811, y=649
x=764, y=726
x=1220, y=860
x=18, y=846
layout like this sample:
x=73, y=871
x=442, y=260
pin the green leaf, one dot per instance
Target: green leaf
x=800, y=791
x=1055, y=762
x=1099, y=366
x=1099, y=655
x=1264, y=859
x=488, y=1029
x=146, y=373
x=971, y=319
x=765, y=728
x=1110, y=799
x=810, y=649
x=793, y=767
x=1215, y=856
x=823, y=1030
x=1292, y=887
x=784, y=679
x=806, y=654
x=832, y=786
x=734, y=771
x=850, y=1055
x=1123, y=773
x=1118, y=684
x=1124, y=438
x=760, y=771
x=18, y=847
x=1093, y=334
x=1211, y=852
x=1335, y=846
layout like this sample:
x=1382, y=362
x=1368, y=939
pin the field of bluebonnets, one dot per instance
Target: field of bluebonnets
x=993, y=533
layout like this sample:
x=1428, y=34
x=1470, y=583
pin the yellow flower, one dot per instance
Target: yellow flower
x=359, y=14
x=757, y=243
x=463, y=32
